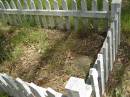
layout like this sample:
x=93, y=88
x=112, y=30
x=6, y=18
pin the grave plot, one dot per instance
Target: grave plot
x=47, y=57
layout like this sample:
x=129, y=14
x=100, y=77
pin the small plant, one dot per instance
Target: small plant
x=3, y=95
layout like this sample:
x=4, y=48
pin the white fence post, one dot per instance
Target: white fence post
x=33, y=7
x=115, y=15
x=38, y=91
x=67, y=19
x=74, y=7
x=4, y=20
x=76, y=87
x=101, y=73
x=94, y=80
x=24, y=88
x=42, y=18
x=50, y=18
x=58, y=20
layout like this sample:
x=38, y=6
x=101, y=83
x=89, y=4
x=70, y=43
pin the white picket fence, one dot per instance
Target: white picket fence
x=76, y=87
x=52, y=16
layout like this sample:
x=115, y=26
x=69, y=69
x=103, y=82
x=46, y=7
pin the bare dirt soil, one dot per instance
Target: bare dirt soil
x=47, y=57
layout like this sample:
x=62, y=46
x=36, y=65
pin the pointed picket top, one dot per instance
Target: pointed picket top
x=94, y=80
x=12, y=85
x=26, y=4
x=2, y=5
x=4, y=84
x=53, y=93
x=48, y=6
x=38, y=91
x=40, y=6
x=94, y=5
x=19, y=4
x=10, y=81
x=7, y=6
x=74, y=4
x=12, y=4
x=83, y=5
x=64, y=5
x=2, y=81
x=74, y=7
x=56, y=6
x=24, y=87
x=32, y=4
x=105, y=5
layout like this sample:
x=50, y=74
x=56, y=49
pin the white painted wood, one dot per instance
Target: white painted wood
x=67, y=19
x=38, y=91
x=76, y=87
x=4, y=20
x=94, y=5
x=78, y=13
x=105, y=53
x=19, y=8
x=13, y=87
x=50, y=18
x=101, y=73
x=33, y=7
x=83, y=5
x=58, y=20
x=94, y=8
x=7, y=6
x=4, y=85
x=14, y=17
x=84, y=20
x=113, y=40
x=94, y=80
x=74, y=7
x=24, y=88
x=105, y=5
x=42, y=18
x=53, y=93
x=110, y=57
x=25, y=5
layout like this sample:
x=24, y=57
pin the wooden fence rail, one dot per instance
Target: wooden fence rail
x=75, y=87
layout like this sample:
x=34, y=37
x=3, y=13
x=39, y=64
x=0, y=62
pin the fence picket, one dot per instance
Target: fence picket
x=25, y=7
x=25, y=4
x=42, y=18
x=101, y=73
x=4, y=85
x=33, y=7
x=14, y=17
x=37, y=91
x=50, y=18
x=58, y=20
x=67, y=19
x=74, y=7
x=13, y=87
x=20, y=8
x=94, y=8
x=105, y=5
x=84, y=20
x=2, y=15
x=94, y=81
x=26, y=92
x=113, y=40
x=110, y=50
x=7, y=6
x=105, y=53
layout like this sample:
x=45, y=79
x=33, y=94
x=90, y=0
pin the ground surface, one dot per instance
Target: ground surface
x=47, y=57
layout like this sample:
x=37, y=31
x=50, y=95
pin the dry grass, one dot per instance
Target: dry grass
x=47, y=57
